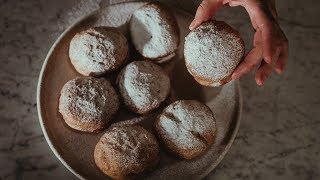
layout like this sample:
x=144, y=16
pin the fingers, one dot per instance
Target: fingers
x=251, y=61
x=234, y=3
x=276, y=55
x=263, y=16
x=263, y=21
x=257, y=38
x=283, y=58
x=205, y=11
x=270, y=44
x=263, y=73
x=265, y=68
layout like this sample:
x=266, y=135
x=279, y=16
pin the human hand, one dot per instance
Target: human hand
x=270, y=43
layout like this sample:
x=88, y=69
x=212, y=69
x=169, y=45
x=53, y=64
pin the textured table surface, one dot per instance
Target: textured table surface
x=280, y=128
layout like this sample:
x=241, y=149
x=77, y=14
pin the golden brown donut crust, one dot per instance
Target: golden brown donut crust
x=187, y=128
x=88, y=104
x=125, y=151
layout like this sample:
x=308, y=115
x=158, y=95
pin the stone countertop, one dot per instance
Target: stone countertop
x=279, y=133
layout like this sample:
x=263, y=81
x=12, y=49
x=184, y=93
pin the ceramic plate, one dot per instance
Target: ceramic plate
x=75, y=149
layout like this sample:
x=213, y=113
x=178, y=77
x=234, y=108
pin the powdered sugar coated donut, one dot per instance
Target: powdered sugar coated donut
x=98, y=50
x=212, y=52
x=187, y=128
x=154, y=32
x=88, y=104
x=123, y=152
x=143, y=86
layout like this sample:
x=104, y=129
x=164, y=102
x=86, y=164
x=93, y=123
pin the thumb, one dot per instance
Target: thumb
x=205, y=11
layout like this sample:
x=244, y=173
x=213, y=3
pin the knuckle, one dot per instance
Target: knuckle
x=204, y=4
x=269, y=30
x=251, y=66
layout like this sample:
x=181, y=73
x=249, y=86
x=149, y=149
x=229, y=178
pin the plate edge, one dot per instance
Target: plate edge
x=38, y=96
x=234, y=134
x=41, y=122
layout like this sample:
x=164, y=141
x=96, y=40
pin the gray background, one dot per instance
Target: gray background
x=279, y=133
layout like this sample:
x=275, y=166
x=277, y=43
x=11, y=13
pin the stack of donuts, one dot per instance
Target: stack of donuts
x=186, y=128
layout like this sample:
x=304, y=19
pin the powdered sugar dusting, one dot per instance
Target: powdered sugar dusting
x=98, y=50
x=126, y=150
x=213, y=52
x=78, y=147
x=181, y=136
x=118, y=15
x=153, y=31
x=166, y=58
x=87, y=99
x=185, y=123
x=143, y=85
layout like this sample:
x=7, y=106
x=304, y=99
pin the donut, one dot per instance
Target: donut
x=126, y=151
x=97, y=51
x=88, y=104
x=143, y=86
x=212, y=52
x=154, y=32
x=186, y=128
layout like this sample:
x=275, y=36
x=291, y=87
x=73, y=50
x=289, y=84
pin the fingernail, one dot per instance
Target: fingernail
x=279, y=70
x=193, y=23
x=260, y=81
x=269, y=59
